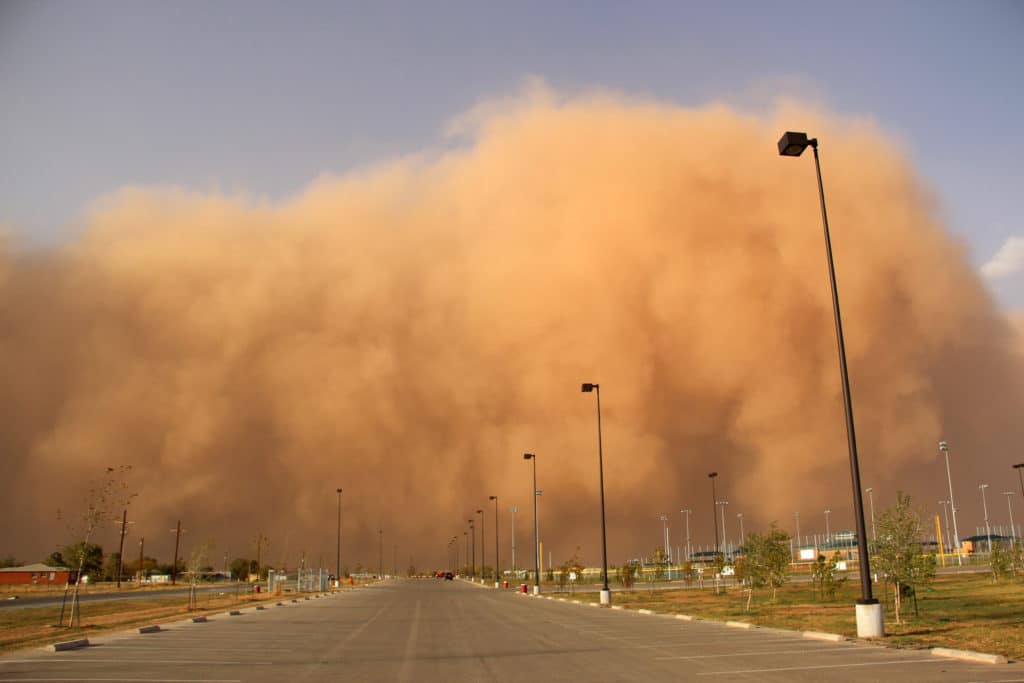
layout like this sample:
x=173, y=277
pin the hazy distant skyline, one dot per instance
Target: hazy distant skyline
x=261, y=98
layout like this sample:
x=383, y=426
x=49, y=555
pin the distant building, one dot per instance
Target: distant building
x=36, y=575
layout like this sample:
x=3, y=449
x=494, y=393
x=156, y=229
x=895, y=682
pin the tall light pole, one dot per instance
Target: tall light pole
x=606, y=594
x=337, y=555
x=514, y=510
x=380, y=566
x=988, y=529
x=828, y=529
x=743, y=538
x=664, y=529
x=944, y=449
x=869, y=613
x=497, y=562
x=465, y=535
x=871, y=501
x=1009, y=508
x=725, y=538
x=536, y=527
x=483, y=546
x=714, y=507
x=945, y=516
x=472, y=553
x=689, y=553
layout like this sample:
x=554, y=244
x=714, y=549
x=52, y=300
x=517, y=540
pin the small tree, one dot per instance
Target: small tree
x=626, y=575
x=823, y=574
x=659, y=564
x=1001, y=561
x=688, y=572
x=899, y=556
x=765, y=562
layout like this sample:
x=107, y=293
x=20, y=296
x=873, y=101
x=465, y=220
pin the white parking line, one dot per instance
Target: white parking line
x=895, y=662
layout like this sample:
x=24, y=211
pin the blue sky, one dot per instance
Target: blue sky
x=264, y=96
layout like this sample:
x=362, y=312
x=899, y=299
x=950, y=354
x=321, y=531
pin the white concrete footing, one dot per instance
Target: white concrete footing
x=869, y=621
x=536, y=589
x=606, y=597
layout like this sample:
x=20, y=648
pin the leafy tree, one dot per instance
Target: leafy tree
x=1001, y=561
x=823, y=575
x=9, y=561
x=87, y=557
x=688, y=572
x=765, y=562
x=55, y=559
x=241, y=568
x=717, y=566
x=660, y=561
x=899, y=556
x=626, y=575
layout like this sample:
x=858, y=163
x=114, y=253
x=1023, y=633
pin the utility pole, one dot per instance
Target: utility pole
x=177, y=543
x=142, y=571
x=259, y=547
x=120, y=550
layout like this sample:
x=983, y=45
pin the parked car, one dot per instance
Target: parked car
x=448, y=576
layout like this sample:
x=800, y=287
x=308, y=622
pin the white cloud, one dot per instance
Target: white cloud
x=1008, y=260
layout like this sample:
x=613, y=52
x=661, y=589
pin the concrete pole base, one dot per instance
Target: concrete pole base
x=870, y=623
x=606, y=597
x=536, y=589
x=497, y=584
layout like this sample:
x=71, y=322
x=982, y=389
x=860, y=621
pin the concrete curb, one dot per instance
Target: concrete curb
x=645, y=611
x=618, y=607
x=968, y=655
x=261, y=607
x=234, y=613
x=818, y=635
x=69, y=645
x=155, y=628
x=739, y=624
x=683, y=617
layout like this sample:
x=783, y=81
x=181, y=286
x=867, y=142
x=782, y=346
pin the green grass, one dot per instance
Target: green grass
x=966, y=612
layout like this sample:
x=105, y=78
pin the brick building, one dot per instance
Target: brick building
x=36, y=575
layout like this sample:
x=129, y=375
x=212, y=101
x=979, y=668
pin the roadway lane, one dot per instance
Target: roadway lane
x=429, y=630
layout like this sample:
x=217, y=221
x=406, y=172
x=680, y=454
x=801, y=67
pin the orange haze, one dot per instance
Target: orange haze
x=408, y=331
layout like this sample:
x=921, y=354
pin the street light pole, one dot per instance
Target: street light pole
x=743, y=538
x=472, y=554
x=497, y=562
x=725, y=538
x=988, y=529
x=337, y=554
x=689, y=553
x=1020, y=475
x=536, y=527
x=1009, y=508
x=869, y=613
x=606, y=594
x=514, y=510
x=945, y=516
x=380, y=566
x=944, y=449
x=798, y=541
x=664, y=529
x=828, y=529
x=714, y=507
x=483, y=546
x=871, y=501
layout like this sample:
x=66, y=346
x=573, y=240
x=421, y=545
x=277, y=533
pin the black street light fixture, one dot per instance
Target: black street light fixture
x=337, y=558
x=536, y=527
x=714, y=508
x=497, y=562
x=869, y=612
x=606, y=594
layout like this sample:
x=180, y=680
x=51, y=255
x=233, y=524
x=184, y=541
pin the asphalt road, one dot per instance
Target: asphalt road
x=430, y=630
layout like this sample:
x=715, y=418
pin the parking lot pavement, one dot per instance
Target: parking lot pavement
x=428, y=630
